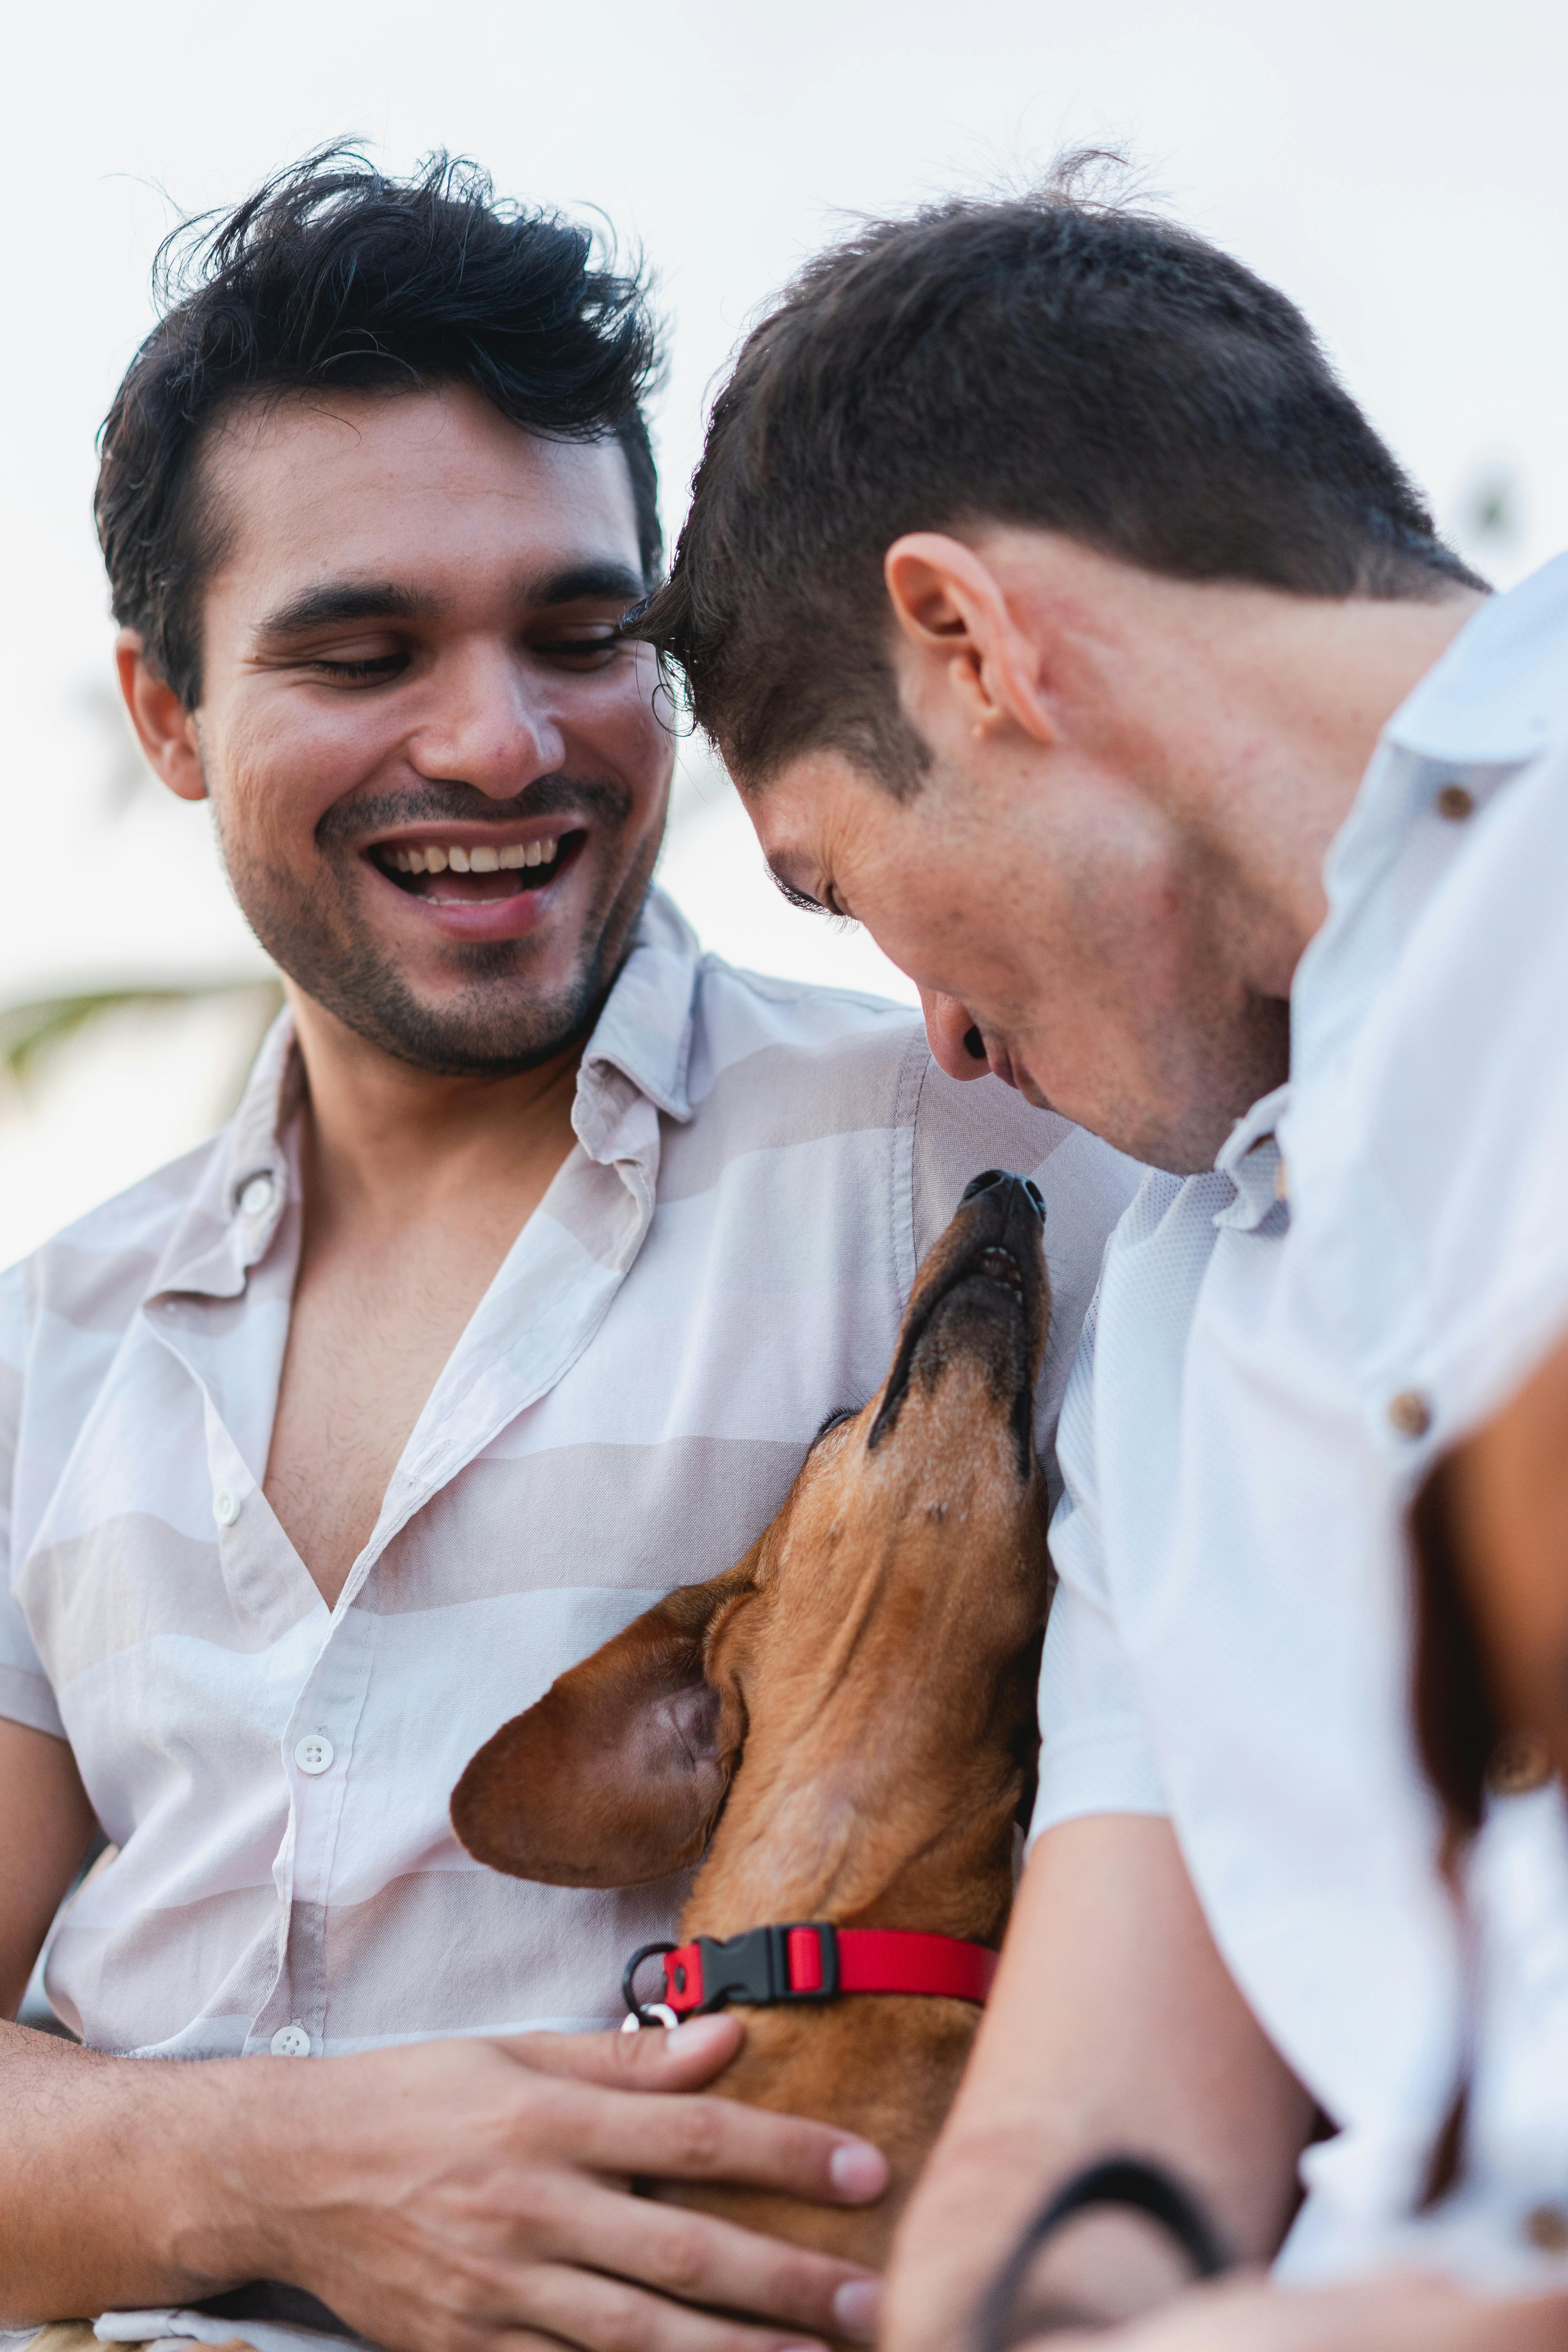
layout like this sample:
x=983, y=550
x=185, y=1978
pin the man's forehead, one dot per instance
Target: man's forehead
x=368, y=484
x=799, y=808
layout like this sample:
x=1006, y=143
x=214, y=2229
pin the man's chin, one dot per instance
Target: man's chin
x=476, y=1008
x=493, y=1031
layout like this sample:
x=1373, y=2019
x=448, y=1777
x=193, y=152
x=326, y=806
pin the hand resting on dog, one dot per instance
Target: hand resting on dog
x=485, y=2192
x=438, y=2198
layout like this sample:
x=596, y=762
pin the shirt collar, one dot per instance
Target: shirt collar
x=640, y=1051
x=1249, y=1156
x=643, y=1037
x=1499, y=693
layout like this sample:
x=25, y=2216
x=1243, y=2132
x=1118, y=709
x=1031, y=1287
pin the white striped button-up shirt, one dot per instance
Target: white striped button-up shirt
x=722, y=1260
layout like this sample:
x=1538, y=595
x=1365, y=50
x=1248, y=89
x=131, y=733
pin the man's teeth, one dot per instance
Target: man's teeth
x=483, y=860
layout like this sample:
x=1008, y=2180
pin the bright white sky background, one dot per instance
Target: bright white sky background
x=1394, y=165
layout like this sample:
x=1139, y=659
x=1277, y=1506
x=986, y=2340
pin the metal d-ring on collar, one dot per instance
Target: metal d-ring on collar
x=650, y=2012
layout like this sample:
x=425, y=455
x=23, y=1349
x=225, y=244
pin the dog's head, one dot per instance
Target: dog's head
x=863, y=1632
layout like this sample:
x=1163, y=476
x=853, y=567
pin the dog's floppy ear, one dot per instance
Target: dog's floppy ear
x=616, y=1775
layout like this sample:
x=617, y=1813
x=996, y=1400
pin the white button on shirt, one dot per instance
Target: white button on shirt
x=291, y=2041
x=314, y=1753
x=1261, y=1387
x=257, y=1198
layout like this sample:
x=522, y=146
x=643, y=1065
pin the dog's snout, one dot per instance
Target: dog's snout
x=991, y=1259
x=991, y=1178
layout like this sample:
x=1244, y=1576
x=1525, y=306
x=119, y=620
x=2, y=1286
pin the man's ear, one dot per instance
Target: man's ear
x=166, y=730
x=953, y=609
x=616, y=1775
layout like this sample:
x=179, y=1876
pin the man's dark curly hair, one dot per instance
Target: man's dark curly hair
x=333, y=276
x=1049, y=359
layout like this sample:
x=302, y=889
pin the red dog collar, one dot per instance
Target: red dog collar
x=812, y=1961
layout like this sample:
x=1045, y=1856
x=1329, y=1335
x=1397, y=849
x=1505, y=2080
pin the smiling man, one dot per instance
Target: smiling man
x=538, y=1251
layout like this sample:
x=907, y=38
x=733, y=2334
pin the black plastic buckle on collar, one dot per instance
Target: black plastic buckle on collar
x=754, y=1967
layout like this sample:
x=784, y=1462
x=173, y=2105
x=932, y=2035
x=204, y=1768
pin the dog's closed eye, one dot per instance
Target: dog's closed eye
x=840, y=1413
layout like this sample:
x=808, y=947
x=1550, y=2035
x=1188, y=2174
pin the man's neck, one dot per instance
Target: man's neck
x=393, y=1145
x=1325, y=678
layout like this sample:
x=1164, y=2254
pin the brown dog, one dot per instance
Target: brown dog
x=845, y=1721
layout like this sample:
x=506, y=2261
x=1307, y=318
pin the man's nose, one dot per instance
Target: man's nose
x=955, y=1042
x=490, y=726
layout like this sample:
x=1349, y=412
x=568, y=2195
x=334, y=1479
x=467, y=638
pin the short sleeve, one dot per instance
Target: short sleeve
x=26, y=1696
x=960, y=1130
x=1095, y=1756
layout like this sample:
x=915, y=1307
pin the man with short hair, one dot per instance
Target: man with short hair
x=512, y=1296
x=1062, y=619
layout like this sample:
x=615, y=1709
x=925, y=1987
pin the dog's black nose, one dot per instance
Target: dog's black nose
x=990, y=1179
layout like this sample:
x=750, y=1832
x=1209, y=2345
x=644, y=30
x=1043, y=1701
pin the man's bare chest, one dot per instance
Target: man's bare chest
x=367, y=1344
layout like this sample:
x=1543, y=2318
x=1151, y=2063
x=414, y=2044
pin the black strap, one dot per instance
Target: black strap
x=1119, y=2181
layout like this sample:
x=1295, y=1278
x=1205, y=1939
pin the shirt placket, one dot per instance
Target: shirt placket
x=262, y=1576
x=481, y=1392
x=317, y=1756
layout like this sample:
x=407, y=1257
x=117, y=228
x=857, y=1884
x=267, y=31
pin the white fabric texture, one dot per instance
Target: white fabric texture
x=722, y=1261
x=1231, y=1639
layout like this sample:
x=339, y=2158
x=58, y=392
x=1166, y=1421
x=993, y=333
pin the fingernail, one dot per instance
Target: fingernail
x=858, y=2169
x=858, y=2307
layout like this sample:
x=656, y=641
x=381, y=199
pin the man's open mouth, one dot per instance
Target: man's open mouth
x=447, y=873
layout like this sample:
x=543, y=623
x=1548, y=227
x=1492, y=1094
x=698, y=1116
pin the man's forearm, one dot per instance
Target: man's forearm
x=1113, y=2030
x=110, y=2178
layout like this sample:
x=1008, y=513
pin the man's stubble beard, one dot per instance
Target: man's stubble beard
x=495, y=1026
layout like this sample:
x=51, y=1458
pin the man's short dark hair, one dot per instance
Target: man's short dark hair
x=332, y=277
x=1048, y=360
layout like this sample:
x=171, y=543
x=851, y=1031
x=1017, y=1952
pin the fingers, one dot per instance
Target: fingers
x=698, y=2138
x=645, y=2132
x=609, y=2314
x=700, y=2258
x=652, y=2060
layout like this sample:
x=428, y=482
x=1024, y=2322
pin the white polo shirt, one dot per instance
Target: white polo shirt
x=1261, y=1387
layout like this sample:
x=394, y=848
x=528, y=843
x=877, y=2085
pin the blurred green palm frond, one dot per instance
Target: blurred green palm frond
x=27, y=1032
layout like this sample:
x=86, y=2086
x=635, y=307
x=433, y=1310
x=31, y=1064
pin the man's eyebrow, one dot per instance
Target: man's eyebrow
x=345, y=600
x=335, y=602
x=603, y=581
